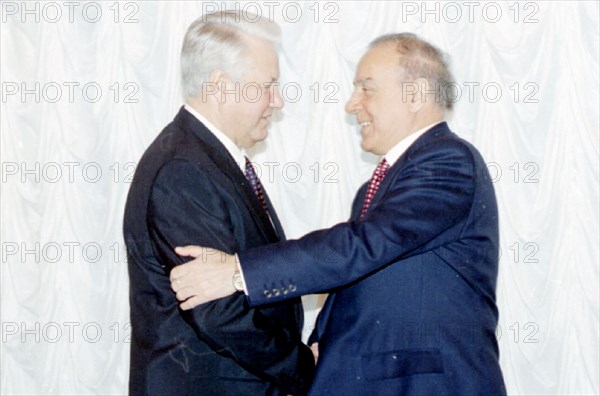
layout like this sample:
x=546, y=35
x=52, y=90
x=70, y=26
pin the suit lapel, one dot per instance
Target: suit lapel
x=436, y=131
x=274, y=218
x=359, y=201
x=225, y=162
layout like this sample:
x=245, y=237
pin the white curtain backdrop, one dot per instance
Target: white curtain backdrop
x=86, y=86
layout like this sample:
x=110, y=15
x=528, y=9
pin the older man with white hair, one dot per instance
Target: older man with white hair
x=194, y=185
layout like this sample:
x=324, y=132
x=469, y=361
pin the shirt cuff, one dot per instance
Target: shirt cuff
x=239, y=267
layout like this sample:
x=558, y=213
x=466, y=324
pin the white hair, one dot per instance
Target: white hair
x=219, y=41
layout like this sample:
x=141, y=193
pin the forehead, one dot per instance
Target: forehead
x=379, y=63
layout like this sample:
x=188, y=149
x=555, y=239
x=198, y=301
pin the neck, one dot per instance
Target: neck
x=423, y=121
x=211, y=111
x=424, y=118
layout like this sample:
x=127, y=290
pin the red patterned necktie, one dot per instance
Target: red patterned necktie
x=256, y=184
x=378, y=176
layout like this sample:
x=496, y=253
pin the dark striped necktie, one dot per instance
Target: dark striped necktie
x=256, y=184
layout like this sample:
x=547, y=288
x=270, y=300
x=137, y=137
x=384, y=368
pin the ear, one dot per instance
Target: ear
x=420, y=97
x=217, y=84
x=216, y=76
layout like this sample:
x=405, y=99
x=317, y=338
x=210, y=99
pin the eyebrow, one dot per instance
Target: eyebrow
x=269, y=84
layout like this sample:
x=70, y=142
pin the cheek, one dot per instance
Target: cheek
x=258, y=108
x=251, y=113
x=372, y=108
x=264, y=102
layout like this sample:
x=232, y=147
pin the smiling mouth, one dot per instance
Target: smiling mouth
x=365, y=123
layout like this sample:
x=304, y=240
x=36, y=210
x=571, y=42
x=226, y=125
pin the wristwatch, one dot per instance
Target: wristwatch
x=238, y=284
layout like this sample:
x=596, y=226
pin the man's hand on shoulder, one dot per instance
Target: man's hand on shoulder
x=205, y=278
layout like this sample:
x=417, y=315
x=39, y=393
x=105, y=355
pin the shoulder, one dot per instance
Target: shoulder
x=441, y=144
x=175, y=162
x=174, y=148
x=173, y=142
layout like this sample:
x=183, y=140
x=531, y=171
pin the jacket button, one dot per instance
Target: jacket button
x=276, y=292
x=267, y=294
x=292, y=288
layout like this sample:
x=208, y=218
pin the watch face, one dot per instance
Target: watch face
x=237, y=282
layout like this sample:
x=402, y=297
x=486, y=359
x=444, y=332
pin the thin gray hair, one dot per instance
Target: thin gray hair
x=218, y=41
x=420, y=59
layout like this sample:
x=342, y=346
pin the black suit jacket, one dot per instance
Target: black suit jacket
x=187, y=189
x=412, y=309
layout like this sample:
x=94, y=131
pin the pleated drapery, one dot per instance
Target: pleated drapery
x=86, y=86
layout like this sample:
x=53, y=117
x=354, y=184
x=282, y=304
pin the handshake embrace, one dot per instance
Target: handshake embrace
x=409, y=274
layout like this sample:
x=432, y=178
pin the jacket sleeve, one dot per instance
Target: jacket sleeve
x=187, y=207
x=432, y=192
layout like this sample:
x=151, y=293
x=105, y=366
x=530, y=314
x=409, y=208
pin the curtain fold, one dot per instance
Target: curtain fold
x=82, y=99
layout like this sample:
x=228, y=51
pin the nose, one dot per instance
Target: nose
x=353, y=104
x=276, y=98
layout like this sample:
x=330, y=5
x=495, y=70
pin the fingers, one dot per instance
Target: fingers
x=176, y=274
x=184, y=276
x=192, y=297
x=184, y=293
x=314, y=347
x=189, y=291
x=190, y=250
x=191, y=303
x=176, y=284
x=202, y=279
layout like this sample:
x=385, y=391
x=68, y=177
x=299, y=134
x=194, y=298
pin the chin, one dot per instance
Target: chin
x=365, y=145
x=259, y=137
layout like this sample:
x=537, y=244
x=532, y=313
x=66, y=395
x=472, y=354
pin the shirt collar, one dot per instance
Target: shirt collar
x=236, y=153
x=395, y=152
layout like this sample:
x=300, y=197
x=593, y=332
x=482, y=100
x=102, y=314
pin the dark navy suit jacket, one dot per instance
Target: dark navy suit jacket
x=412, y=307
x=187, y=189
